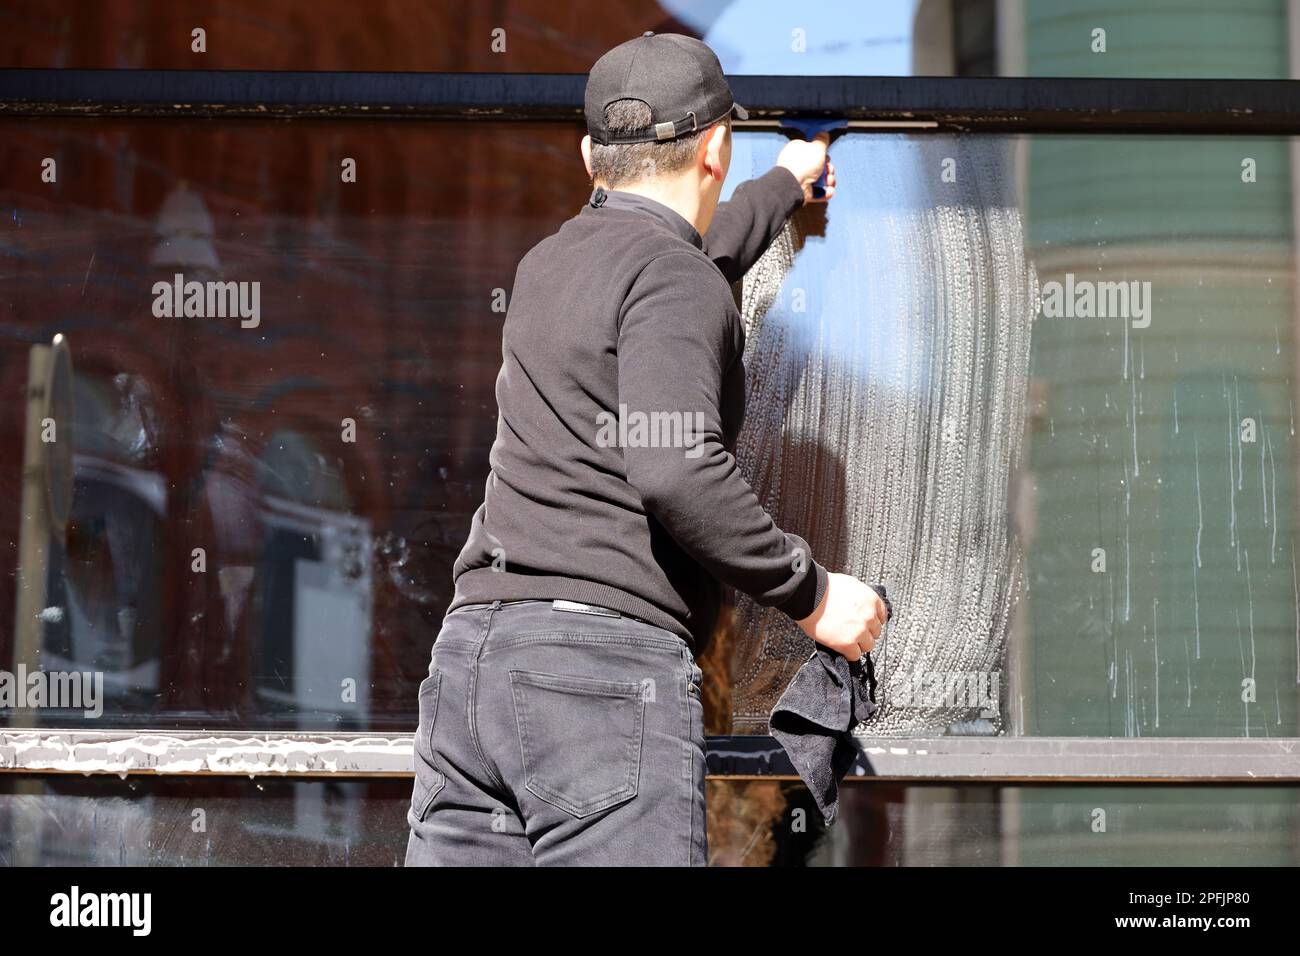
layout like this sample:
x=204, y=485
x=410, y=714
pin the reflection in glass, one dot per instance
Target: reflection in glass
x=892, y=380
x=1088, y=521
x=263, y=519
x=210, y=821
x=1154, y=38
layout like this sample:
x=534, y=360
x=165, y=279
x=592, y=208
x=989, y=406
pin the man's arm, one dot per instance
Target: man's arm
x=745, y=225
x=676, y=336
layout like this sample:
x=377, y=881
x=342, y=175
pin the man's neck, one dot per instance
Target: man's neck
x=681, y=197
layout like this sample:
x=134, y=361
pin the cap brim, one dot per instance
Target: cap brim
x=739, y=112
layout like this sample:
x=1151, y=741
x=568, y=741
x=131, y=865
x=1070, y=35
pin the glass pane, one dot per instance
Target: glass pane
x=266, y=509
x=206, y=821
x=1157, y=38
x=1064, y=826
x=1085, y=523
x=201, y=821
x=1042, y=389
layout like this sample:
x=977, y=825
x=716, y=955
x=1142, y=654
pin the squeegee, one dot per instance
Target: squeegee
x=809, y=127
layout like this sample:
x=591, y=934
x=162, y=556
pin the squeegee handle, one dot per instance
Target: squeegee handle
x=819, y=187
x=810, y=129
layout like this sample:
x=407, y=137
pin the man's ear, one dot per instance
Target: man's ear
x=714, y=147
x=586, y=153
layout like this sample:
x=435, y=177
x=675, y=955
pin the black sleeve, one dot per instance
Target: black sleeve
x=745, y=225
x=675, y=339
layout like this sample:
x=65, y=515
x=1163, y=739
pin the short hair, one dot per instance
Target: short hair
x=620, y=164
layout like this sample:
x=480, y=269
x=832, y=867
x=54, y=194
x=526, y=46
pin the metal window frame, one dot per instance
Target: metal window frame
x=942, y=104
x=983, y=104
x=1009, y=760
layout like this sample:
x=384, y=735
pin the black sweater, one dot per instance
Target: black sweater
x=622, y=334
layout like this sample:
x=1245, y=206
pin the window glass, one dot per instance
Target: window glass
x=1042, y=388
x=267, y=499
x=1156, y=38
x=1084, y=520
x=71, y=820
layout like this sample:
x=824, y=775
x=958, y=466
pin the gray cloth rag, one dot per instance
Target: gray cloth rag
x=815, y=717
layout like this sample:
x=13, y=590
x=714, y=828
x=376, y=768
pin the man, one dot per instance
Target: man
x=561, y=721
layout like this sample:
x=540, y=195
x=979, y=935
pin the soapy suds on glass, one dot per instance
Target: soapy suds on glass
x=887, y=361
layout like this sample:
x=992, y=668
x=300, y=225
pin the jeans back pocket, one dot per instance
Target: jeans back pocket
x=429, y=780
x=580, y=739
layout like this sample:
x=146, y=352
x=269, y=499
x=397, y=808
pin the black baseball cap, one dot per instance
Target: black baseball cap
x=677, y=76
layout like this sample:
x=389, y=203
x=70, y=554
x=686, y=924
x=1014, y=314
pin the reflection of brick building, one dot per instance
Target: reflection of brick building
x=541, y=36
x=376, y=306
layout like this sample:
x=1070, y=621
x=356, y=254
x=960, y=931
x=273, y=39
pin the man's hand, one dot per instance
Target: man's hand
x=806, y=159
x=849, y=618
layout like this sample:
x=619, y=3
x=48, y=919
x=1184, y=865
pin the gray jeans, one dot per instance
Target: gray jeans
x=557, y=738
